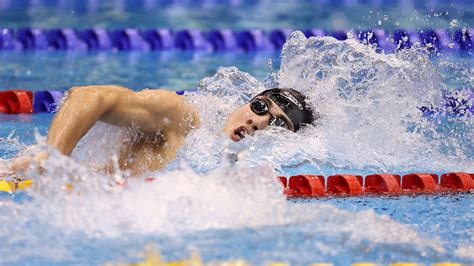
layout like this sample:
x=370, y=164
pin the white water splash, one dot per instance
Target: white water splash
x=367, y=103
x=179, y=202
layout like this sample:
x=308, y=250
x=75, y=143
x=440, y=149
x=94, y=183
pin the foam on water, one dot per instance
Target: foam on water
x=367, y=104
x=178, y=202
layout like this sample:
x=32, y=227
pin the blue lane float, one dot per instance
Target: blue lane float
x=254, y=40
x=65, y=39
x=192, y=40
x=32, y=38
x=339, y=35
x=452, y=105
x=222, y=40
x=464, y=38
x=404, y=39
x=434, y=40
x=251, y=40
x=278, y=37
x=47, y=101
x=182, y=92
x=129, y=39
x=314, y=33
x=379, y=38
x=160, y=39
x=96, y=39
x=8, y=41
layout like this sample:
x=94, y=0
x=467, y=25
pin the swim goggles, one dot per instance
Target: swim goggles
x=260, y=107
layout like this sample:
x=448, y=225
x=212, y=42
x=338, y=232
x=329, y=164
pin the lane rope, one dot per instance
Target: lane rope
x=435, y=41
x=308, y=185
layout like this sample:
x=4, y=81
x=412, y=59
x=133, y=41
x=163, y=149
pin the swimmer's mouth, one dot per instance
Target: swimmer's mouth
x=238, y=134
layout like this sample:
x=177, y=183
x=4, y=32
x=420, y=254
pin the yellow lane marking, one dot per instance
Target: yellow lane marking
x=5, y=186
x=11, y=186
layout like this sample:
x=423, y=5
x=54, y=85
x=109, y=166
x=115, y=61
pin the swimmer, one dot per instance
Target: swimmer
x=162, y=120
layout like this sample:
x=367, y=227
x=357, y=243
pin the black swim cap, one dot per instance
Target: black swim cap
x=293, y=104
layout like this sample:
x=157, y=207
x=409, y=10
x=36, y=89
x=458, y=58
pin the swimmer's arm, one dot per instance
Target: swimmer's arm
x=154, y=111
x=81, y=109
x=151, y=111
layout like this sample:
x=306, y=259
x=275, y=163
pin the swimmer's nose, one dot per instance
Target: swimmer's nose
x=251, y=127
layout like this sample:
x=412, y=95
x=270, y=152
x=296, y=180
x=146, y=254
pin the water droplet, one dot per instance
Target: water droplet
x=453, y=23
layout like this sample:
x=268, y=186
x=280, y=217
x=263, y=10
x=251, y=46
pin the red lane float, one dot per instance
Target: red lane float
x=420, y=183
x=16, y=102
x=456, y=181
x=304, y=185
x=389, y=184
x=382, y=183
x=344, y=185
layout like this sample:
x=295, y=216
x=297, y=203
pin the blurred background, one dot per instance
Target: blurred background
x=237, y=14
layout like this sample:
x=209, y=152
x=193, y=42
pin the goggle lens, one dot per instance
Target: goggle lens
x=259, y=106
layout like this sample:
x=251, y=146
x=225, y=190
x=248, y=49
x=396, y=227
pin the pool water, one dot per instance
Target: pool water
x=221, y=198
x=236, y=14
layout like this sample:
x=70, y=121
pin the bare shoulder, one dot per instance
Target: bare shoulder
x=177, y=113
x=152, y=111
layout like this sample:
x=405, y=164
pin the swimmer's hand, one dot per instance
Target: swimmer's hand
x=30, y=158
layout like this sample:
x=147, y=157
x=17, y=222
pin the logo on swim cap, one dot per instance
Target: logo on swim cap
x=292, y=98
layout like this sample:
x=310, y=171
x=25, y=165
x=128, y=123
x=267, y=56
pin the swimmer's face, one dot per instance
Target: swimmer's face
x=258, y=114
